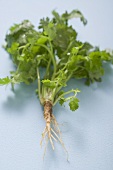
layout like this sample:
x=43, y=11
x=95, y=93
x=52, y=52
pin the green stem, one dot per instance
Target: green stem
x=51, y=55
x=39, y=84
x=24, y=46
x=68, y=92
x=51, y=46
x=59, y=88
x=47, y=69
x=53, y=76
x=57, y=73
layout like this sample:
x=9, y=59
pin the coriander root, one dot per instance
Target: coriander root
x=51, y=132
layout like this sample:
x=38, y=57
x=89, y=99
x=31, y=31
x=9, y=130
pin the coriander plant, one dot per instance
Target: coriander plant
x=55, y=47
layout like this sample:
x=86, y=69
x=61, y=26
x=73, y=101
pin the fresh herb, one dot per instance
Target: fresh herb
x=55, y=47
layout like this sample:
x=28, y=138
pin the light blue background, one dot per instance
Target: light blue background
x=88, y=132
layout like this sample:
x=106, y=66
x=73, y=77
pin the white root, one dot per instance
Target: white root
x=54, y=138
x=45, y=147
x=51, y=131
x=43, y=136
x=52, y=143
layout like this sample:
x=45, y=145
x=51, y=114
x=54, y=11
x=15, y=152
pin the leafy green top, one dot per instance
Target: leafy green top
x=55, y=47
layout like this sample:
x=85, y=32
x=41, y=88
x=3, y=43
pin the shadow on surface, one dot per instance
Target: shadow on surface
x=21, y=97
x=107, y=79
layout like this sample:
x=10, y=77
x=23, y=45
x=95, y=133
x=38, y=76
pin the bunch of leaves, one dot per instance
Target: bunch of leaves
x=55, y=47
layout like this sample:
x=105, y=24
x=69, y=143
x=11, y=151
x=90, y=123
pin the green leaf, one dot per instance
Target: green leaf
x=64, y=37
x=86, y=48
x=94, y=65
x=75, y=50
x=74, y=104
x=20, y=33
x=49, y=83
x=24, y=25
x=74, y=14
x=62, y=101
x=50, y=31
x=42, y=40
x=57, y=17
x=4, y=81
x=14, y=48
x=43, y=22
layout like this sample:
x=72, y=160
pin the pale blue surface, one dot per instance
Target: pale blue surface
x=88, y=132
